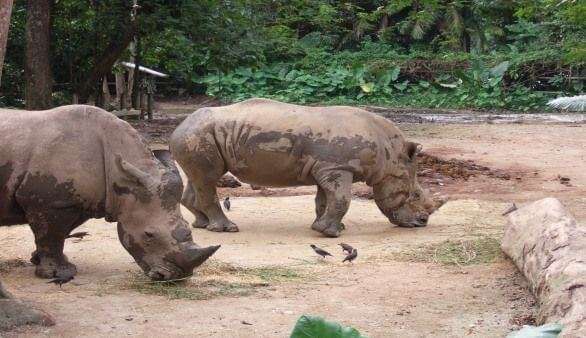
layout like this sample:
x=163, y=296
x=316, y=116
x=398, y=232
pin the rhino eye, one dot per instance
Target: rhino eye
x=149, y=234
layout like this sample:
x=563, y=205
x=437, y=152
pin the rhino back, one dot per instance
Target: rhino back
x=269, y=142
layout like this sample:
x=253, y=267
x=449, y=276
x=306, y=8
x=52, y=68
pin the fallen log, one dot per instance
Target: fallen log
x=549, y=248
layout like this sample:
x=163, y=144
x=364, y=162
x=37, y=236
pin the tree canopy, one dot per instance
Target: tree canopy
x=473, y=53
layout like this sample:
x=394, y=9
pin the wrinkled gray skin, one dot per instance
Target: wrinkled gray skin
x=61, y=167
x=269, y=143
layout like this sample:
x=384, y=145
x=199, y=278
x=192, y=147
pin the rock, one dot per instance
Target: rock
x=549, y=248
x=228, y=181
x=14, y=313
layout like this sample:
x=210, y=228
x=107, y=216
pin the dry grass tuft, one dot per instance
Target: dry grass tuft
x=214, y=279
x=8, y=265
x=481, y=250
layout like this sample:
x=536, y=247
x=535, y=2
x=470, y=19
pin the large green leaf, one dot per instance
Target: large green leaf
x=367, y=87
x=317, y=327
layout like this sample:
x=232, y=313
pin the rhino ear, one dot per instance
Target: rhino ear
x=135, y=174
x=165, y=157
x=412, y=149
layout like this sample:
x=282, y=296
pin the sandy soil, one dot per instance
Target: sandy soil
x=382, y=295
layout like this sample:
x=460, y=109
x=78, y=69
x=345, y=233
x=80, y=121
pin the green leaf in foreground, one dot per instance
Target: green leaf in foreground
x=317, y=327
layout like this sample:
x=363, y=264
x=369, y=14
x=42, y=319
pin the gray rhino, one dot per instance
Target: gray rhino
x=61, y=167
x=270, y=143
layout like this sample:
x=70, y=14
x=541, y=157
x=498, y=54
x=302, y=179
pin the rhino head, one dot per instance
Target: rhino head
x=150, y=225
x=399, y=196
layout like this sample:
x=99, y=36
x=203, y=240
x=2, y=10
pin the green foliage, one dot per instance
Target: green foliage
x=432, y=53
x=311, y=327
x=379, y=83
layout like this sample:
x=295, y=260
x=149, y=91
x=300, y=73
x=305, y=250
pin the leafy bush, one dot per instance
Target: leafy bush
x=353, y=82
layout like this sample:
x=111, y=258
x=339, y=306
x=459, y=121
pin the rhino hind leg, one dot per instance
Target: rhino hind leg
x=189, y=200
x=336, y=187
x=207, y=208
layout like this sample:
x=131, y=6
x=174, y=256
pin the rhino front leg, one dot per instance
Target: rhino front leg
x=336, y=186
x=189, y=200
x=50, y=240
x=320, y=202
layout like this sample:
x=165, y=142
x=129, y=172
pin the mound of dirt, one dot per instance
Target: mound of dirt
x=434, y=167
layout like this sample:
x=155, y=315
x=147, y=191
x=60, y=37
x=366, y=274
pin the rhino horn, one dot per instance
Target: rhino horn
x=140, y=176
x=196, y=256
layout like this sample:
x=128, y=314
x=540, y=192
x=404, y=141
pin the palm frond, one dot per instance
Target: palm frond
x=573, y=103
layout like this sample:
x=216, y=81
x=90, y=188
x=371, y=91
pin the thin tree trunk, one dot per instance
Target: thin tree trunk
x=37, y=69
x=103, y=64
x=135, y=94
x=5, y=11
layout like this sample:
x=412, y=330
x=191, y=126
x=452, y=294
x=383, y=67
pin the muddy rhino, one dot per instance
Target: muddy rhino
x=61, y=167
x=276, y=144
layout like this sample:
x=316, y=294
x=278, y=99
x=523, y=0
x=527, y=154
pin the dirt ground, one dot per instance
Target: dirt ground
x=444, y=280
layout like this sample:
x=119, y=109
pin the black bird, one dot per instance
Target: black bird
x=320, y=251
x=511, y=209
x=346, y=248
x=79, y=235
x=227, y=203
x=61, y=280
x=352, y=256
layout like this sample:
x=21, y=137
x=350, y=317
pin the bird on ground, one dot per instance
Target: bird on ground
x=61, y=280
x=346, y=248
x=320, y=251
x=79, y=235
x=511, y=209
x=352, y=256
x=227, y=203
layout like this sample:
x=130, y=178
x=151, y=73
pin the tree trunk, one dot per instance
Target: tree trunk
x=103, y=64
x=5, y=11
x=37, y=68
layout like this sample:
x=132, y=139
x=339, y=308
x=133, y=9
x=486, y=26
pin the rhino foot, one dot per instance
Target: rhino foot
x=50, y=267
x=225, y=226
x=200, y=223
x=329, y=230
x=332, y=231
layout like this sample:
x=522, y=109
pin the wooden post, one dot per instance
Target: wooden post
x=150, y=105
x=120, y=90
x=106, y=93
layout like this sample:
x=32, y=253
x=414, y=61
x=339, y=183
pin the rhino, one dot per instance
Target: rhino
x=61, y=167
x=269, y=143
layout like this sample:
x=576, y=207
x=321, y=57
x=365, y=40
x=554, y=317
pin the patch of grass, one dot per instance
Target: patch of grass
x=214, y=279
x=8, y=265
x=275, y=273
x=481, y=250
x=192, y=290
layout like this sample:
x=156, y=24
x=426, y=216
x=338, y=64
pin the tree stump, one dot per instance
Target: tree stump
x=549, y=248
